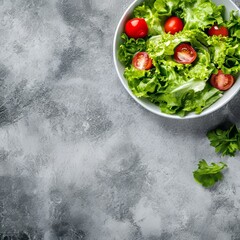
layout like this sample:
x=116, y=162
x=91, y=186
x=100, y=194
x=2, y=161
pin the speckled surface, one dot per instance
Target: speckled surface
x=79, y=159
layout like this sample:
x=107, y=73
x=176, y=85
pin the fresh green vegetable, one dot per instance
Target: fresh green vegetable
x=151, y=16
x=226, y=142
x=225, y=53
x=208, y=175
x=175, y=87
x=142, y=83
x=129, y=48
x=234, y=24
x=201, y=14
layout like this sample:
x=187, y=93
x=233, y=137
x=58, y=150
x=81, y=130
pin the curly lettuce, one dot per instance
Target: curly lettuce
x=151, y=16
x=201, y=14
x=225, y=53
x=233, y=24
x=129, y=47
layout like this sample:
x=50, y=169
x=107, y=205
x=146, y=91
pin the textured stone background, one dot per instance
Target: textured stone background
x=79, y=159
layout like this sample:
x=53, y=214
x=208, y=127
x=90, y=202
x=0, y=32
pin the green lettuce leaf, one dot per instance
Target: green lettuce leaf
x=233, y=24
x=192, y=97
x=201, y=14
x=143, y=83
x=128, y=48
x=225, y=53
x=166, y=7
x=149, y=13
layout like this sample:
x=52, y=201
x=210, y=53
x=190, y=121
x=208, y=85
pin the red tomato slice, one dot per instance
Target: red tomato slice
x=184, y=53
x=136, y=28
x=216, y=30
x=173, y=25
x=142, y=61
x=222, y=81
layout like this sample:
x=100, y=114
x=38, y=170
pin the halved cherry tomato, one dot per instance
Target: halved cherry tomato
x=173, y=25
x=184, y=53
x=136, y=28
x=216, y=30
x=142, y=61
x=222, y=81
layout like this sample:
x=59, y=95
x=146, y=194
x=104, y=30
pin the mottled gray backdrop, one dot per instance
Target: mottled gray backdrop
x=79, y=159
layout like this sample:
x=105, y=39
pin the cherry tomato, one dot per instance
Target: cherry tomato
x=216, y=30
x=173, y=25
x=142, y=61
x=136, y=28
x=184, y=53
x=222, y=81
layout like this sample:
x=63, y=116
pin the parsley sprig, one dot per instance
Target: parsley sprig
x=226, y=142
x=208, y=175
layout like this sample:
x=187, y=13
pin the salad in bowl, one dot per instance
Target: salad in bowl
x=179, y=59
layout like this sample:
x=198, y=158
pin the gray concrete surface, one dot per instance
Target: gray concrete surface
x=79, y=159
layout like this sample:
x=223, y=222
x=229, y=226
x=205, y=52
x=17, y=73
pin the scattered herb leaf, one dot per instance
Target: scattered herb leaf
x=226, y=142
x=208, y=175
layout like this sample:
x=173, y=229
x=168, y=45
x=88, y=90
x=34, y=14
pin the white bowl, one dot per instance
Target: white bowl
x=227, y=96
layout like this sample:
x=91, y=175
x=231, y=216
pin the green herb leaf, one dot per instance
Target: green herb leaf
x=226, y=142
x=208, y=175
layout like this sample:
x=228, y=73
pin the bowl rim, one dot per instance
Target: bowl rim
x=158, y=112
